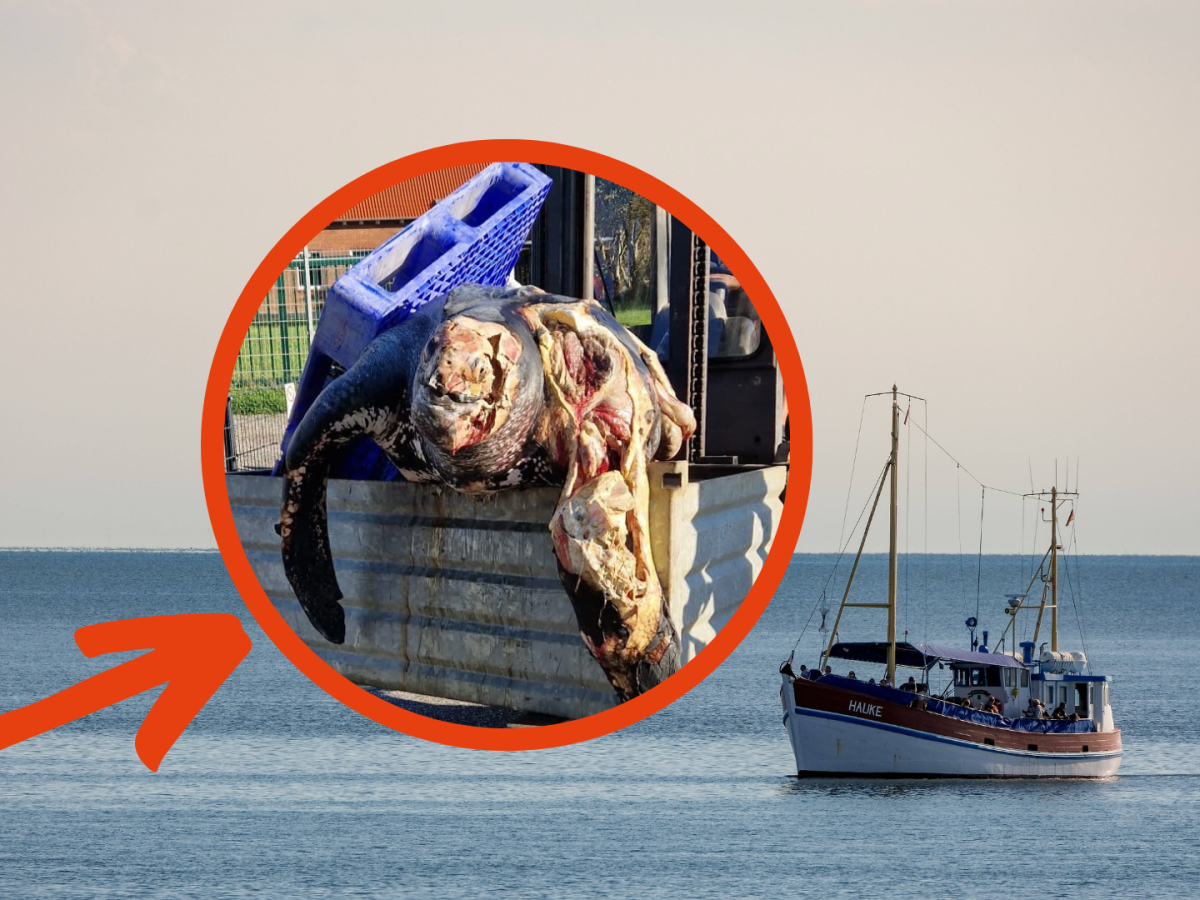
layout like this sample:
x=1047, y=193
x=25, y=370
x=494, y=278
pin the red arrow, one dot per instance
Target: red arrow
x=193, y=654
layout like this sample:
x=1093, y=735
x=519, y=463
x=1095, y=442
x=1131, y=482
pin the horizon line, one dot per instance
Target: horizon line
x=80, y=549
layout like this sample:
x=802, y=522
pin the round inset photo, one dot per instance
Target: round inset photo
x=492, y=444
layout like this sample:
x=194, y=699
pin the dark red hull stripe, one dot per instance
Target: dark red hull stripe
x=926, y=736
x=813, y=696
x=941, y=776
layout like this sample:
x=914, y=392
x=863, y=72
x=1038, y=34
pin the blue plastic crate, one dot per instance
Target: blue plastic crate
x=473, y=236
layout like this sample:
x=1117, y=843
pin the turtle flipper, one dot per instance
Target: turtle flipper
x=304, y=530
x=606, y=568
x=371, y=399
x=630, y=671
x=604, y=421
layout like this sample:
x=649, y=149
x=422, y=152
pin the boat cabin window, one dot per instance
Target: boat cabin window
x=1081, y=699
x=1010, y=678
x=983, y=676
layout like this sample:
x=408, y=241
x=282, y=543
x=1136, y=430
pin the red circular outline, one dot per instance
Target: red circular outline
x=213, y=453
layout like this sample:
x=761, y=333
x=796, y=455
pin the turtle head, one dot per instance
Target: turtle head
x=467, y=384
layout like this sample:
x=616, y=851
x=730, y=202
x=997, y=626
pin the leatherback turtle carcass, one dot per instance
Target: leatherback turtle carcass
x=494, y=388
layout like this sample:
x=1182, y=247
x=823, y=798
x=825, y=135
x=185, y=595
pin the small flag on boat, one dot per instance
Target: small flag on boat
x=906, y=412
x=1070, y=518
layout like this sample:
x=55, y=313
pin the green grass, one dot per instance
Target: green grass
x=632, y=317
x=272, y=354
x=258, y=402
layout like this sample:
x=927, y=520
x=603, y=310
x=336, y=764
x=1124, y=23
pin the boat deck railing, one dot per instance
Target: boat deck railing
x=953, y=710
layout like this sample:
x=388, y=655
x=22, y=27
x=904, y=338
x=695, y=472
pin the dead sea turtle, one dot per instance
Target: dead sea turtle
x=494, y=388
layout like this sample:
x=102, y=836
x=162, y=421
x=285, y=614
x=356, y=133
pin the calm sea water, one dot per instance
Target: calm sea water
x=278, y=791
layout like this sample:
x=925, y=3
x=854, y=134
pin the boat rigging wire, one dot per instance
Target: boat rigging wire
x=853, y=467
x=964, y=468
x=1074, y=557
x=979, y=564
x=846, y=509
x=1037, y=520
x=844, y=541
x=962, y=578
x=1033, y=544
x=1021, y=554
x=842, y=552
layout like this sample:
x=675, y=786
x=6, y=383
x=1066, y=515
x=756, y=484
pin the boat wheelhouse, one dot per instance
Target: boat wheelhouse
x=1002, y=714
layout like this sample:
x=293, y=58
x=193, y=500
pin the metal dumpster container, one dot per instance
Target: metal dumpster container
x=458, y=596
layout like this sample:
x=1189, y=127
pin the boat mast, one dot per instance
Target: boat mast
x=1054, y=568
x=1050, y=583
x=846, y=596
x=892, y=567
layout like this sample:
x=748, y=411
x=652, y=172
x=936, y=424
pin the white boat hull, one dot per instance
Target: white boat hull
x=834, y=744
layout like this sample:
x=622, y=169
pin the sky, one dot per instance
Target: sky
x=995, y=206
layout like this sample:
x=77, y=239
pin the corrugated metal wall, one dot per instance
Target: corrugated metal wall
x=458, y=596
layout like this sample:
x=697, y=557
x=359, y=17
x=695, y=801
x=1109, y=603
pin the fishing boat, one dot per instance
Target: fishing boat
x=843, y=726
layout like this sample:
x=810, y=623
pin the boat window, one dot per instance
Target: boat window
x=734, y=328
x=977, y=678
x=1024, y=678
x=993, y=676
x=962, y=677
x=1081, y=700
x=1008, y=673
